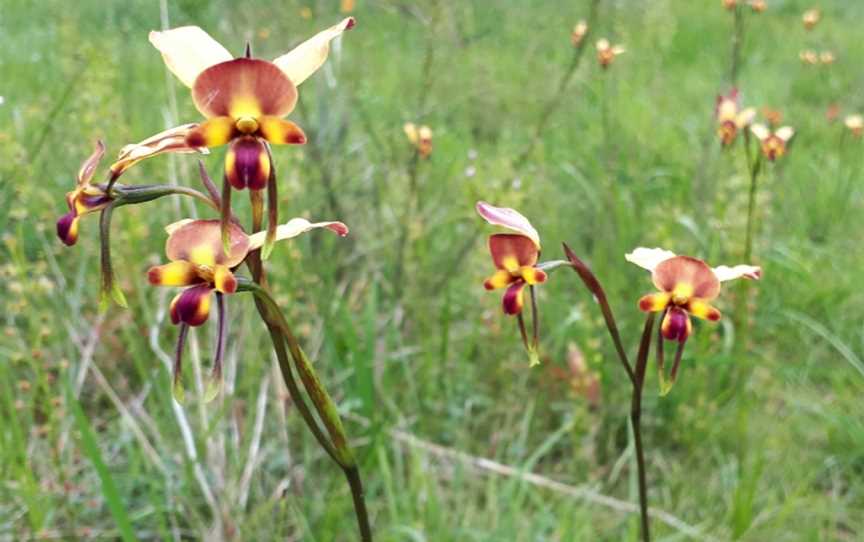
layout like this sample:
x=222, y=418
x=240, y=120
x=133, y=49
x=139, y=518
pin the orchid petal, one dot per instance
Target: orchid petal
x=224, y=280
x=295, y=227
x=648, y=258
x=171, y=140
x=280, y=132
x=512, y=251
x=702, y=309
x=676, y=325
x=514, y=298
x=214, y=132
x=760, y=131
x=508, y=218
x=785, y=133
x=244, y=87
x=67, y=228
x=724, y=273
x=192, y=306
x=306, y=58
x=89, y=165
x=200, y=242
x=691, y=275
x=188, y=51
x=179, y=273
x=654, y=302
x=499, y=279
x=247, y=164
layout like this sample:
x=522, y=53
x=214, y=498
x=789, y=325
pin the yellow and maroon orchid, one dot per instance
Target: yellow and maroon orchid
x=420, y=138
x=243, y=99
x=199, y=262
x=514, y=255
x=758, y=6
x=606, y=52
x=84, y=199
x=773, y=142
x=730, y=117
x=686, y=287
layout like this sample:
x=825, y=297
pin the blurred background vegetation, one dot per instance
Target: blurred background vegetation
x=765, y=445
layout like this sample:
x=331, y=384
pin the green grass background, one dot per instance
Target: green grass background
x=767, y=445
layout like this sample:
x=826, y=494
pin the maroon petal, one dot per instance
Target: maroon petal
x=67, y=228
x=192, y=306
x=676, y=325
x=514, y=298
x=247, y=164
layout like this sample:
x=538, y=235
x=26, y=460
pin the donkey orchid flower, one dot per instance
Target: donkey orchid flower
x=606, y=52
x=774, y=142
x=84, y=199
x=243, y=99
x=855, y=124
x=811, y=18
x=199, y=262
x=578, y=33
x=687, y=286
x=420, y=137
x=758, y=6
x=730, y=117
x=514, y=255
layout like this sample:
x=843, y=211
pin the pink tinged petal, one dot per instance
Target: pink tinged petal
x=760, y=131
x=692, y=273
x=188, y=51
x=172, y=140
x=511, y=251
x=200, y=242
x=676, y=325
x=508, y=218
x=295, y=227
x=498, y=280
x=724, y=273
x=513, y=300
x=247, y=164
x=179, y=273
x=744, y=118
x=192, y=306
x=244, y=87
x=67, y=228
x=306, y=58
x=89, y=165
x=648, y=258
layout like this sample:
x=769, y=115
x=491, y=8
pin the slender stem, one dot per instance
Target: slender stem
x=535, y=318
x=558, y=97
x=359, y=498
x=636, y=421
x=754, y=169
x=737, y=39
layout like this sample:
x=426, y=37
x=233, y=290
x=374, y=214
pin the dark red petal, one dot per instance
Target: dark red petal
x=676, y=325
x=193, y=305
x=247, y=164
x=67, y=229
x=513, y=298
x=244, y=87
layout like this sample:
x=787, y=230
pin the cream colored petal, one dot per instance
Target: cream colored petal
x=188, y=51
x=508, y=218
x=306, y=58
x=745, y=117
x=724, y=273
x=760, y=131
x=171, y=228
x=649, y=258
x=602, y=44
x=295, y=227
x=618, y=50
x=410, y=130
x=171, y=140
x=785, y=133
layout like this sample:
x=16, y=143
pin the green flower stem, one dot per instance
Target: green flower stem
x=636, y=421
x=338, y=447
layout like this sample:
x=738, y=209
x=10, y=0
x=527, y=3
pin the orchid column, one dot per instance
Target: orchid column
x=244, y=101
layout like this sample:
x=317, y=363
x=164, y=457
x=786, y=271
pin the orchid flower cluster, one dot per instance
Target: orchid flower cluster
x=686, y=286
x=244, y=102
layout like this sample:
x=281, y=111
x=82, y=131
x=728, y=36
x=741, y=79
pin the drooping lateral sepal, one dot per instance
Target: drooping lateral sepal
x=192, y=306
